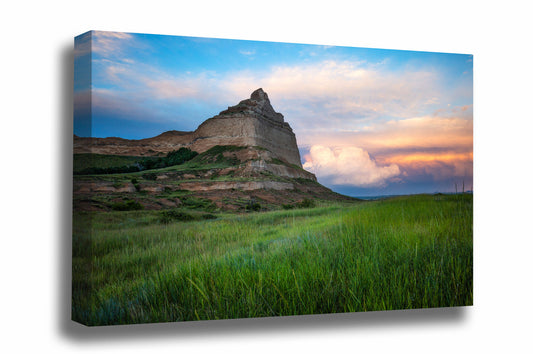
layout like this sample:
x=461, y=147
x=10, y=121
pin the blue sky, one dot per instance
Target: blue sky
x=367, y=121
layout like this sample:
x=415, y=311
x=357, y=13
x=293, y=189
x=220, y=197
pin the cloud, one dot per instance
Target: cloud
x=439, y=165
x=313, y=95
x=378, y=136
x=364, y=124
x=353, y=166
x=425, y=131
x=348, y=166
x=357, y=105
x=170, y=89
x=82, y=101
x=110, y=44
x=82, y=45
x=344, y=86
x=437, y=148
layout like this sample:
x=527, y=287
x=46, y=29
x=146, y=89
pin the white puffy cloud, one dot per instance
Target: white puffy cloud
x=348, y=166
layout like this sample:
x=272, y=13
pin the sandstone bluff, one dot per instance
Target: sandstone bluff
x=247, y=155
x=252, y=122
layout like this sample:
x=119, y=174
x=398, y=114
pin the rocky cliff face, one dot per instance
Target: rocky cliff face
x=252, y=122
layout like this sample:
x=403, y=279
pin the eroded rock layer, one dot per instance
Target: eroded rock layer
x=252, y=122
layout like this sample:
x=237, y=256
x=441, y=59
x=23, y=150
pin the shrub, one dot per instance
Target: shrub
x=208, y=216
x=117, y=184
x=253, y=206
x=168, y=216
x=135, y=183
x=107, y=170
x=150, y=176
x=180, y=156
x=176, y=157
x=307, y=203
x=127, y=205
x=199, y=203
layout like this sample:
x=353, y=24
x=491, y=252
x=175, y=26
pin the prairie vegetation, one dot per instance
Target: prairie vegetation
x=199, y=264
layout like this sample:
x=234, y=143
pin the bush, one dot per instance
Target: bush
x=198, y=203
x=135, y=183
x=176, y=157
x=150, y=176
x=253, y=206
x=127, y=205
x=180, y=156
x=168, y=216
x=107, y=170
x=209, y=216
x=151, y=163
x=307, y=203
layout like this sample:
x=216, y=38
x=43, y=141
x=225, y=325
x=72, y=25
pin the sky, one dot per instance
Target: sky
x=367, y=121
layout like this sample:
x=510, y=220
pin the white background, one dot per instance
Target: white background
x=36, y=83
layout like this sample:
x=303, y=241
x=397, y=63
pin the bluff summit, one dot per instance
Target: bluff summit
x=252, y=122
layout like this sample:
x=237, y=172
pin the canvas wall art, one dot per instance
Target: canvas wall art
x=226, y=179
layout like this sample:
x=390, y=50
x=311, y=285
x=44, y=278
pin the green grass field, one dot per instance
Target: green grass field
x=401, y=253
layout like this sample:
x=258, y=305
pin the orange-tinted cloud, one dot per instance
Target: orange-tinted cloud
x=348, y=166
x=442, y=165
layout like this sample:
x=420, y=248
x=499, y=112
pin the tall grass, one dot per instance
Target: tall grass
x=407, y=252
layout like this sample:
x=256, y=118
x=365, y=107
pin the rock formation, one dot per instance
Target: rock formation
x=252, y=122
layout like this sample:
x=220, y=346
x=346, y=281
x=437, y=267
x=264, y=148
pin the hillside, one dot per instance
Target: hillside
x=231, y=178
x=245, y=158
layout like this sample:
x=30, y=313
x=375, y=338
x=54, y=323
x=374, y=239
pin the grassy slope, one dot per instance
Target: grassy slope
x=407, y=252
x=83, y=161
x=206, y=160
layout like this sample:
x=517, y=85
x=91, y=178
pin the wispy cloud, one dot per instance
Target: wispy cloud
x=82, y=45
x=247, y=52
x=346, y=84
x=341, y=89
x=110, y=44
x=328, y=94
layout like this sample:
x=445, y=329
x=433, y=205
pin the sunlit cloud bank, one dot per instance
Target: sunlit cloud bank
x=439, y=148
x=440, y=166
x=426, y=131
x=348, y=165
x=353, y=166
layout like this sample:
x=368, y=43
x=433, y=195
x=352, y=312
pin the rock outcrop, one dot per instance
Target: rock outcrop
x=252, y=122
